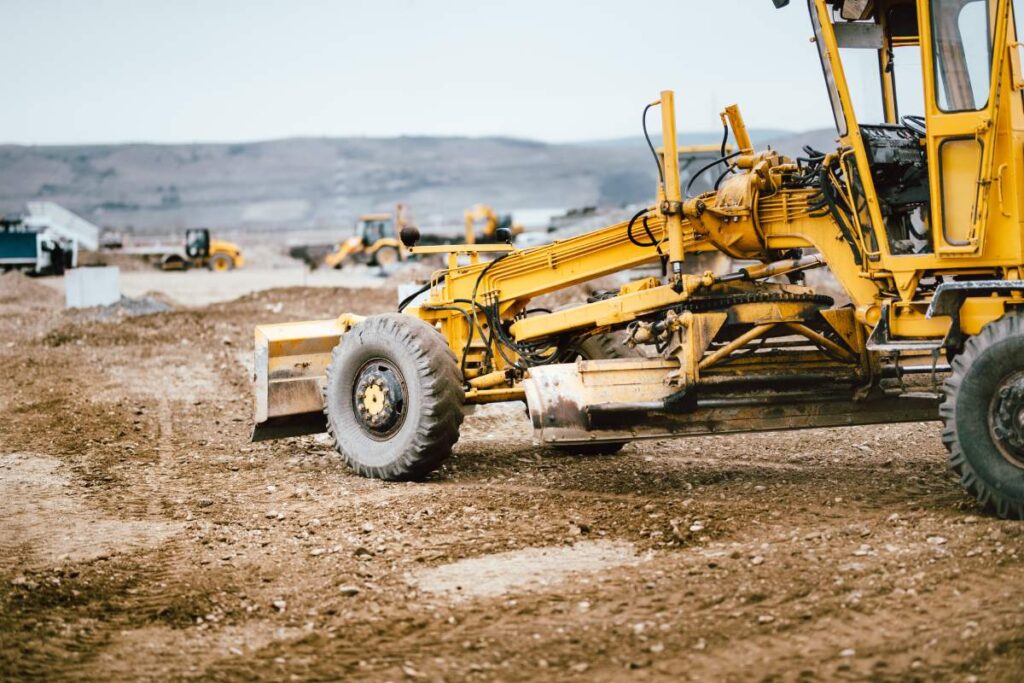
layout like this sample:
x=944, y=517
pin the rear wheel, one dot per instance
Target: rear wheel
x=393, y=398
x=221, y=263
x=600, y=347
x=385, y=256
x=983, y=417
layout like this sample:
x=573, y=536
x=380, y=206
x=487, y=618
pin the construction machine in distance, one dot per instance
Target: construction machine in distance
x=203, y=252
x=917, y=214
x=375, y=241
x=496, y=228
x=198, y=250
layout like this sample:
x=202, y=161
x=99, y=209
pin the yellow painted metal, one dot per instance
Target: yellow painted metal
x=737, y=343
x=226, y=248
x=290, y=364
x=485, y=213
x=367, y=244
x=956, y=175
x=501, y=395
x=694, y=334
x=820, y=340
x=973, y=227
x=462, y=249
x=670, y=193
x=220, y=256
x=619, y=309
x=732, y=117
x=489, y=381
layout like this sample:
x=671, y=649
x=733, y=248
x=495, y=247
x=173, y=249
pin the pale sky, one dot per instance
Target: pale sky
x=83, y=71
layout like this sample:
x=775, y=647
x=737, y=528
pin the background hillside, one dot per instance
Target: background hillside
x=308, y=183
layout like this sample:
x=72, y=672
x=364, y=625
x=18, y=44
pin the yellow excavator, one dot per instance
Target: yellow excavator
x=495, y=229
x=375, y=240
x=917, y=213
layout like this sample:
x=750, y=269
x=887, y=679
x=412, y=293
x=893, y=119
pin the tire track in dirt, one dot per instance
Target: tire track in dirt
x=288, y=566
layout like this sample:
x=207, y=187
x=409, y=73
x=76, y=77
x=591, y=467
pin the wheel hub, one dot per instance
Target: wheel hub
x=379, y=398
x=1007, y=419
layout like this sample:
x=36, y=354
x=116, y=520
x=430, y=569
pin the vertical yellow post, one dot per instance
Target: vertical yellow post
x=470, y=227
x=672, y=199
x=739, y=128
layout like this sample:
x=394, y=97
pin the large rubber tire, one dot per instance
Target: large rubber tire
x=432, y=398
x=385, y=257
x=221, y=263
x=988, y=471
x=600, y=347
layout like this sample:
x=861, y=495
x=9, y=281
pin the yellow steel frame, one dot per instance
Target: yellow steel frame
x=753, y=215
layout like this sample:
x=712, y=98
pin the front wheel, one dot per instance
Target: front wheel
x=983, y=417
x=393, y=398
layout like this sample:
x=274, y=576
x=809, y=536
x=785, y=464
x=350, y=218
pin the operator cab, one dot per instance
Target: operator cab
x=374, y=227
x=916, y=90
x=197, y=243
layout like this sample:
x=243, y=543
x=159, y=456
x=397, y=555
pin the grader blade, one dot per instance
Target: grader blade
x=289, y=371
x=618, y=400
x=559, y=397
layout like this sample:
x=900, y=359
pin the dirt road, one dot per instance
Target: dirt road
x=145, y=539
x=203, y=287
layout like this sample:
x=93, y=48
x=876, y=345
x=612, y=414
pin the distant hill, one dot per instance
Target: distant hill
x=316, y=182
x=306, y=183
x=711, y=137
x=791, y=144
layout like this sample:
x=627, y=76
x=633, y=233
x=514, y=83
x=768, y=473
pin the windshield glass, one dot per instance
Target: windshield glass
x=826, y=67
x=962, y=50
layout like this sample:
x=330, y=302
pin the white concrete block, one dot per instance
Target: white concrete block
x=87, y=287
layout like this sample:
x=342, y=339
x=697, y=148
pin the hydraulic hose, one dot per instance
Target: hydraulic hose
x=698, y=173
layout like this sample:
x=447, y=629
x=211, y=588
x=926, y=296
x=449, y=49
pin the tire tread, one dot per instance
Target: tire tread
x=441, y=413
x=988, y=497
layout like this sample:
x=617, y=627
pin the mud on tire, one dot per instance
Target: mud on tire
x=982, y=433
x=408, y=361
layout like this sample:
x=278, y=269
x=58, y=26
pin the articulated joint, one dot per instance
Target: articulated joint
x=694, y=208
x=669, y=208
x=677, y=277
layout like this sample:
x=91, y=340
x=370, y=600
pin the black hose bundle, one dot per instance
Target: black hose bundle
x=705, y=167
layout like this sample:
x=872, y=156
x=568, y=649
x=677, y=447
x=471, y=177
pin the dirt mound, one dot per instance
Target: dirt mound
x=18, y=288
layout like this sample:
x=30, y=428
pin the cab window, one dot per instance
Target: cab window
x=865, y=84
x=905, y=60
x=962, y=53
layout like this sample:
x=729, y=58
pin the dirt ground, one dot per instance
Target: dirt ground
x=202, y=287
x=145, y=538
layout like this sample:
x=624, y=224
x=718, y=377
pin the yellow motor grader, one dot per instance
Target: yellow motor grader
x=917, y=215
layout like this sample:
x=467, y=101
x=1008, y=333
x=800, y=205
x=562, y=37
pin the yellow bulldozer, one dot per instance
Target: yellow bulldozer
x=917, y=214
x=375, y=241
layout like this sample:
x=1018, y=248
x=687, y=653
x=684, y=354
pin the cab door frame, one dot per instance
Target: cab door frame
x=949, y=180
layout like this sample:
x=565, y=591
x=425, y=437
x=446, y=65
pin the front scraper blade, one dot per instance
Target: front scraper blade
x=289, y=371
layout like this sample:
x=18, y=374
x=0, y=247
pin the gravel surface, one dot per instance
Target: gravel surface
x=147, y=539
